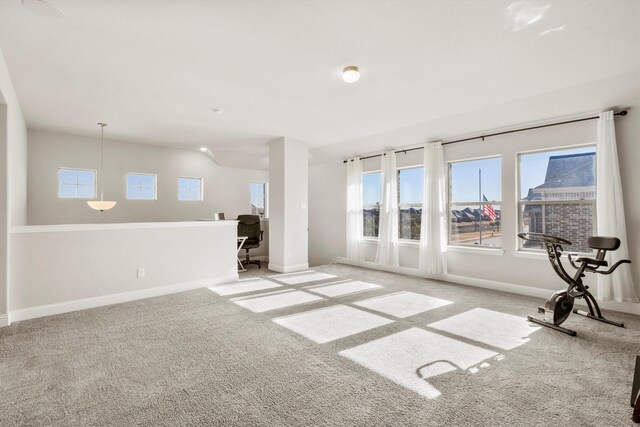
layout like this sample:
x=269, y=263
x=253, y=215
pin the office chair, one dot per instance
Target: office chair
x=249, y=225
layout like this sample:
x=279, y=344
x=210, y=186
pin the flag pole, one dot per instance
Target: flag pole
x=480, y=198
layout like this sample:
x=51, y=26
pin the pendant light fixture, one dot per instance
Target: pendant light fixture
x=101, y=205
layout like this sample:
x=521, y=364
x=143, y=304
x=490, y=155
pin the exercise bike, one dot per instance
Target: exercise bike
x=635, y=393
x=558, y=308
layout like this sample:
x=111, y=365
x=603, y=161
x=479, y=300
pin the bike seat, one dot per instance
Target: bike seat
x=592, y=261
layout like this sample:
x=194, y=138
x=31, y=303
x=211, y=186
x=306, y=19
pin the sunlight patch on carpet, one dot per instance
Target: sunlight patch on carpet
x=403, y=304
x=303, y=278
x=344, y=288
x=295, y=273
x=497, y=329
x=242, y=287
x=276, y=301
x=410, y=357
x=331, y=323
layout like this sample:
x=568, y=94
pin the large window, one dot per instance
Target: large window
x=558, y=195
x=76, y=183
x=410, y=185
x=141, y=186
x=475, y=193
x=371, y=199
x=190, y=189
x=259, y=199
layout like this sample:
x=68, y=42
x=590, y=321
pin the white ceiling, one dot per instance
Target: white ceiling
x=153, y=69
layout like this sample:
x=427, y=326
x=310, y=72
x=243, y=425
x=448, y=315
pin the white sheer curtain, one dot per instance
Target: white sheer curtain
x=388, y=229
x=355, y=250
x=433, y=229
x=610, y=213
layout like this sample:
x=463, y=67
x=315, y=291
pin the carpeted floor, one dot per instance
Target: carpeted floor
x=450, y=356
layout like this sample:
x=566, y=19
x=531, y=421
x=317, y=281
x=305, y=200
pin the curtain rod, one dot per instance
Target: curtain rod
x=482, y=137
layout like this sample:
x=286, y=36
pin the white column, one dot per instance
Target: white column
x=288, y=205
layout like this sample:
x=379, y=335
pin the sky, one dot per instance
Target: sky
x=464, y=178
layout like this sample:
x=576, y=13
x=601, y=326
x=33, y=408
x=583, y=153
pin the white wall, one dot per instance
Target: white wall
x=50, y=150
x=327, y=212
x=4, y=217
x=226, y=189
x=13, y=166
x=510, y=267
x=100, y=263
x=234, y=195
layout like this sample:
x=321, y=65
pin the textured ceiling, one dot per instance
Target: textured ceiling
x=153, y=69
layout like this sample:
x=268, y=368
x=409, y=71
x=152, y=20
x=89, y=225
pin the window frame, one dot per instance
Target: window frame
x=201, y=199
x=398, y=169
x=95, y=185
x=450, y=204
x=266, y=198
x=155, y=186
x=520, y=250
x=371, y=238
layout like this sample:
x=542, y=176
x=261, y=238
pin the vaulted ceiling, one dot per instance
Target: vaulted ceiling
x=154, y=69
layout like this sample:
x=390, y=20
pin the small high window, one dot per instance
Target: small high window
x=190, y=189
x=76, y=183
x=141, y=186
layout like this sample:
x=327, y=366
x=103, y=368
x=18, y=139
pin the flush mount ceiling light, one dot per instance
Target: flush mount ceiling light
x=350, y=74
x=216, y=110
x=43, y=8
x=101, y=205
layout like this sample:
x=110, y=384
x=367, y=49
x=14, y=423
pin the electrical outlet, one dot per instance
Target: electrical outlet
x=141, y=273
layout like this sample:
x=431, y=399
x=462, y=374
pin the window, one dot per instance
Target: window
x=141, y=186
x=558, y=195
x=76, y=183
x=190, y=189
x=475, y=192
x=410, y=185
x=371, y=199
x=259, y=200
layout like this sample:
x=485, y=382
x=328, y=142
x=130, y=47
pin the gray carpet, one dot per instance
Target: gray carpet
x=196, y=358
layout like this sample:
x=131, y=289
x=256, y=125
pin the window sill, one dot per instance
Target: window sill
x=543, y=254
x=531, y=255
x=401, y=242
x=474, y=250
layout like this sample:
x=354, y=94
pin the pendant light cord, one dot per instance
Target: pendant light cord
x=102, y=125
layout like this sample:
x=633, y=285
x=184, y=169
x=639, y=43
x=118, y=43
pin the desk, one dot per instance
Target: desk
x=241, y=240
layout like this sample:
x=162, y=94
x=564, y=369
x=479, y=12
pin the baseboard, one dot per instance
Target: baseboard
x=512, y=288
x=531, y=291
x=85, y=303
x=4, y=320
x=400, y=270
x=288, y=268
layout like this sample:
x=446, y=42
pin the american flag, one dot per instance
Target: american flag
x=488, y=211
